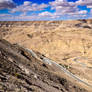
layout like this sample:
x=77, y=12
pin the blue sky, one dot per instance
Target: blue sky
x=27, y=10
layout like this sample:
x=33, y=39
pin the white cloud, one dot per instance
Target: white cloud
x=83, y=12
x=22, y=17
x=84, y=2
x=88, y=3
x=28, y=6
x=6, y=4
x=45, y=14
x=4, y=15
x=5, y=1
x=26, y=3
x=91, y=11
x=64, y=7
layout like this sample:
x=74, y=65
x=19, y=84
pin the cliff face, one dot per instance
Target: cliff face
x=21, y=72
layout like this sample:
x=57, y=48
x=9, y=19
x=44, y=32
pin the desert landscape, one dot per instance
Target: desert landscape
x=67, y=43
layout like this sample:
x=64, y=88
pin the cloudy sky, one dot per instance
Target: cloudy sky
x=26, y=10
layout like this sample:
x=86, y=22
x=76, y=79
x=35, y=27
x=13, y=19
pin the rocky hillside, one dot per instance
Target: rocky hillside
x=21, y=72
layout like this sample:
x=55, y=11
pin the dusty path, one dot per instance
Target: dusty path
x=50, y=62
x=79, y=62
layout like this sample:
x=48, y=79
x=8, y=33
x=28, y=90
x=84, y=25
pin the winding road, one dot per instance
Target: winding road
x=50, y=62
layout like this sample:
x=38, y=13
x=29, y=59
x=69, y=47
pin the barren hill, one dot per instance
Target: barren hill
x=69, y=43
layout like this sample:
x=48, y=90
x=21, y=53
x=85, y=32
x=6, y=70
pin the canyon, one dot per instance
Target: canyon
x=68, y=43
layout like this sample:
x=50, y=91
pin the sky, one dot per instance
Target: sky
x=30, y=10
